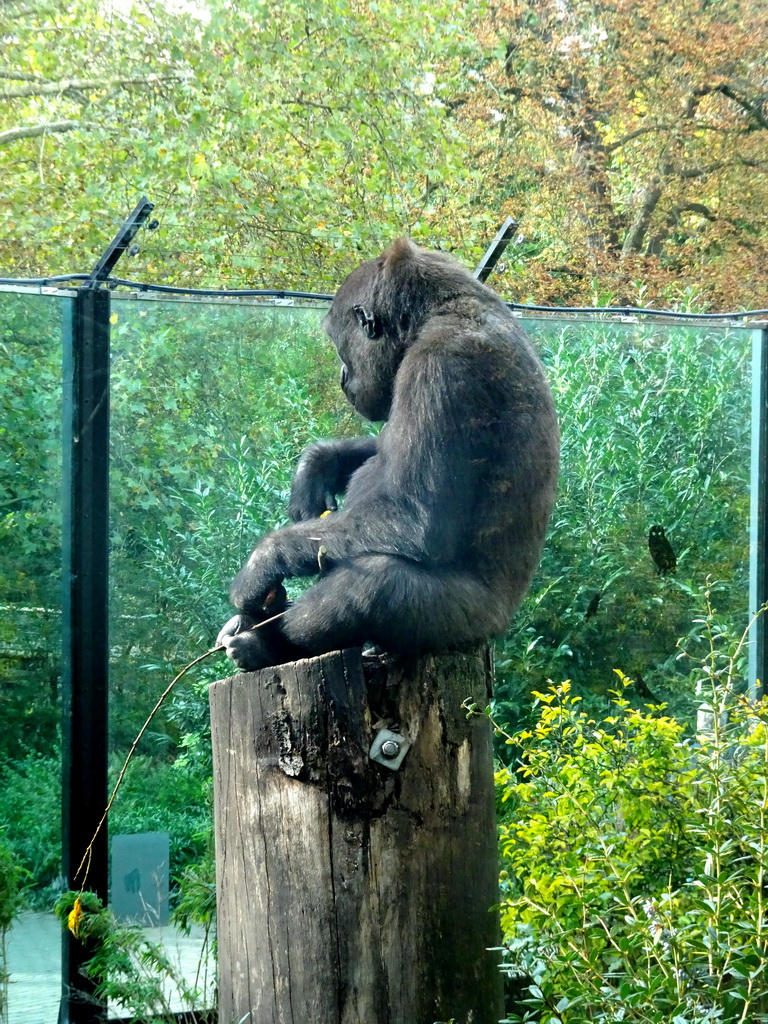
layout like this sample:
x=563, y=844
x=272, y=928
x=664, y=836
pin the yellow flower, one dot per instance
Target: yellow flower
x=75, y=918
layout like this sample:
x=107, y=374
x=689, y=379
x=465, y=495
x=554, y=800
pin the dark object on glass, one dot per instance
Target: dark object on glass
x=593, y=605
x=643, y=691
x=445, y=512
x=661, y=551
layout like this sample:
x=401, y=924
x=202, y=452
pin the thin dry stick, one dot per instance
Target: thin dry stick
x=89, y=848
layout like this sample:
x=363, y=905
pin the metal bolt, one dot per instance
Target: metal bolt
x=390, y=749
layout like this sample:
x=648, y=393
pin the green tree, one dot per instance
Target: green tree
x=279, y=140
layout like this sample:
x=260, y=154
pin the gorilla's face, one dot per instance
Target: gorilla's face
x=369, y=358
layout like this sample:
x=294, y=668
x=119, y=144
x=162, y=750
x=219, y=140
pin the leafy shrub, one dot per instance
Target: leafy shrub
x=30, y=815
x=160, y=796
x=132, y=971
x=635, y=886
x=156, y=796
x=12, y=877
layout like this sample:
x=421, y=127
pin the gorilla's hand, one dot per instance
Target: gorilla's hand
x=252, y=648
x=310, y=497
x=323, y=473
x=237, y=624
x=249, y=650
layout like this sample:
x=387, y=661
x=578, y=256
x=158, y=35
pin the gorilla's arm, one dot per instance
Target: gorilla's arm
x=379, y=524
x=418, y=506
x=323, y=473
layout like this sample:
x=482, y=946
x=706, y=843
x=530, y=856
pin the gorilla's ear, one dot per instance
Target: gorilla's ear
x=402, y=273
x=400, y=255
x=369, y=322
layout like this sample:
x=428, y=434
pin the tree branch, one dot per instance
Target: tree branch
x=67, y=85
x=34, y=131
x=699, y=172
x=612, y=146
x=633, y=240
x=759, y=165
x=700, y=208
x=754, y=108
x=21, y=76
x=674, y=218
x=298, y=102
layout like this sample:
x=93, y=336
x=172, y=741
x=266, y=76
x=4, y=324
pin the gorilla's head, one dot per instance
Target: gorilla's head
x=377, y=313
x=370, y=355
x=369, y=360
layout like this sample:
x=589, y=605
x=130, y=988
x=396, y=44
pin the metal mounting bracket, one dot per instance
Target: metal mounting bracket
x=389, y=748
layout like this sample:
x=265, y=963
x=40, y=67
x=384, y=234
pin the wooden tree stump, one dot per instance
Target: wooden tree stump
x=349, y=893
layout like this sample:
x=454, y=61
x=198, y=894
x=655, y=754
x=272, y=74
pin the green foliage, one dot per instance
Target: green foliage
x=12, y=879
x=179, y=803
x=655, y=430
x=197, y=893
x=30, y=818
x=282, y=141
x=277, y=140
x=129, y=969
x=30, y=521
x=157, y=795
x=636, y=856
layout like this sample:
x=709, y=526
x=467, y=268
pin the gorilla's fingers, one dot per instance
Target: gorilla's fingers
x=235, y=625
x=247, y=651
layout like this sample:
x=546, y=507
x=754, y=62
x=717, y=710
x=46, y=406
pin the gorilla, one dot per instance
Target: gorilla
x=444, y=513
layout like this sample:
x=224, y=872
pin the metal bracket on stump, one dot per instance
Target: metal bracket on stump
x=389, y=749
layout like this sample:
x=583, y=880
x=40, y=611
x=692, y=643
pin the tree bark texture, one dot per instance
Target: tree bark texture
x=349, y=893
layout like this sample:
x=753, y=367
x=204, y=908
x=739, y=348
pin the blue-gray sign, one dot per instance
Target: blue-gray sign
x=140, y=878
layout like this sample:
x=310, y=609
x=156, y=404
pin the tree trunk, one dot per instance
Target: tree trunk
x=633, y=241
x=348, y=892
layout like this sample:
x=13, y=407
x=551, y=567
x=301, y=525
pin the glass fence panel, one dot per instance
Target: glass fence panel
x=211, y=405
x=30, y=654
x=212, y=402
x=655, y=425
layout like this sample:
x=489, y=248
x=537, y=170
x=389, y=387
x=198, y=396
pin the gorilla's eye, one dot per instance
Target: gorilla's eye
x=369, y=322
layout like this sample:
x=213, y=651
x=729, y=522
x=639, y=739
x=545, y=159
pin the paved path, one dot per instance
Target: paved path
x=34, y=962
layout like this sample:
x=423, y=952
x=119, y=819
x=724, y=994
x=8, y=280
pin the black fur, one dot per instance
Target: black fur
x=445, y=512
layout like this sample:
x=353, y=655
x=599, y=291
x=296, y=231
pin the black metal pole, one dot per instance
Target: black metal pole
x=122, y=240
x=85, y=672
x=758, y=530
x=86, y=650
x=495, y=249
